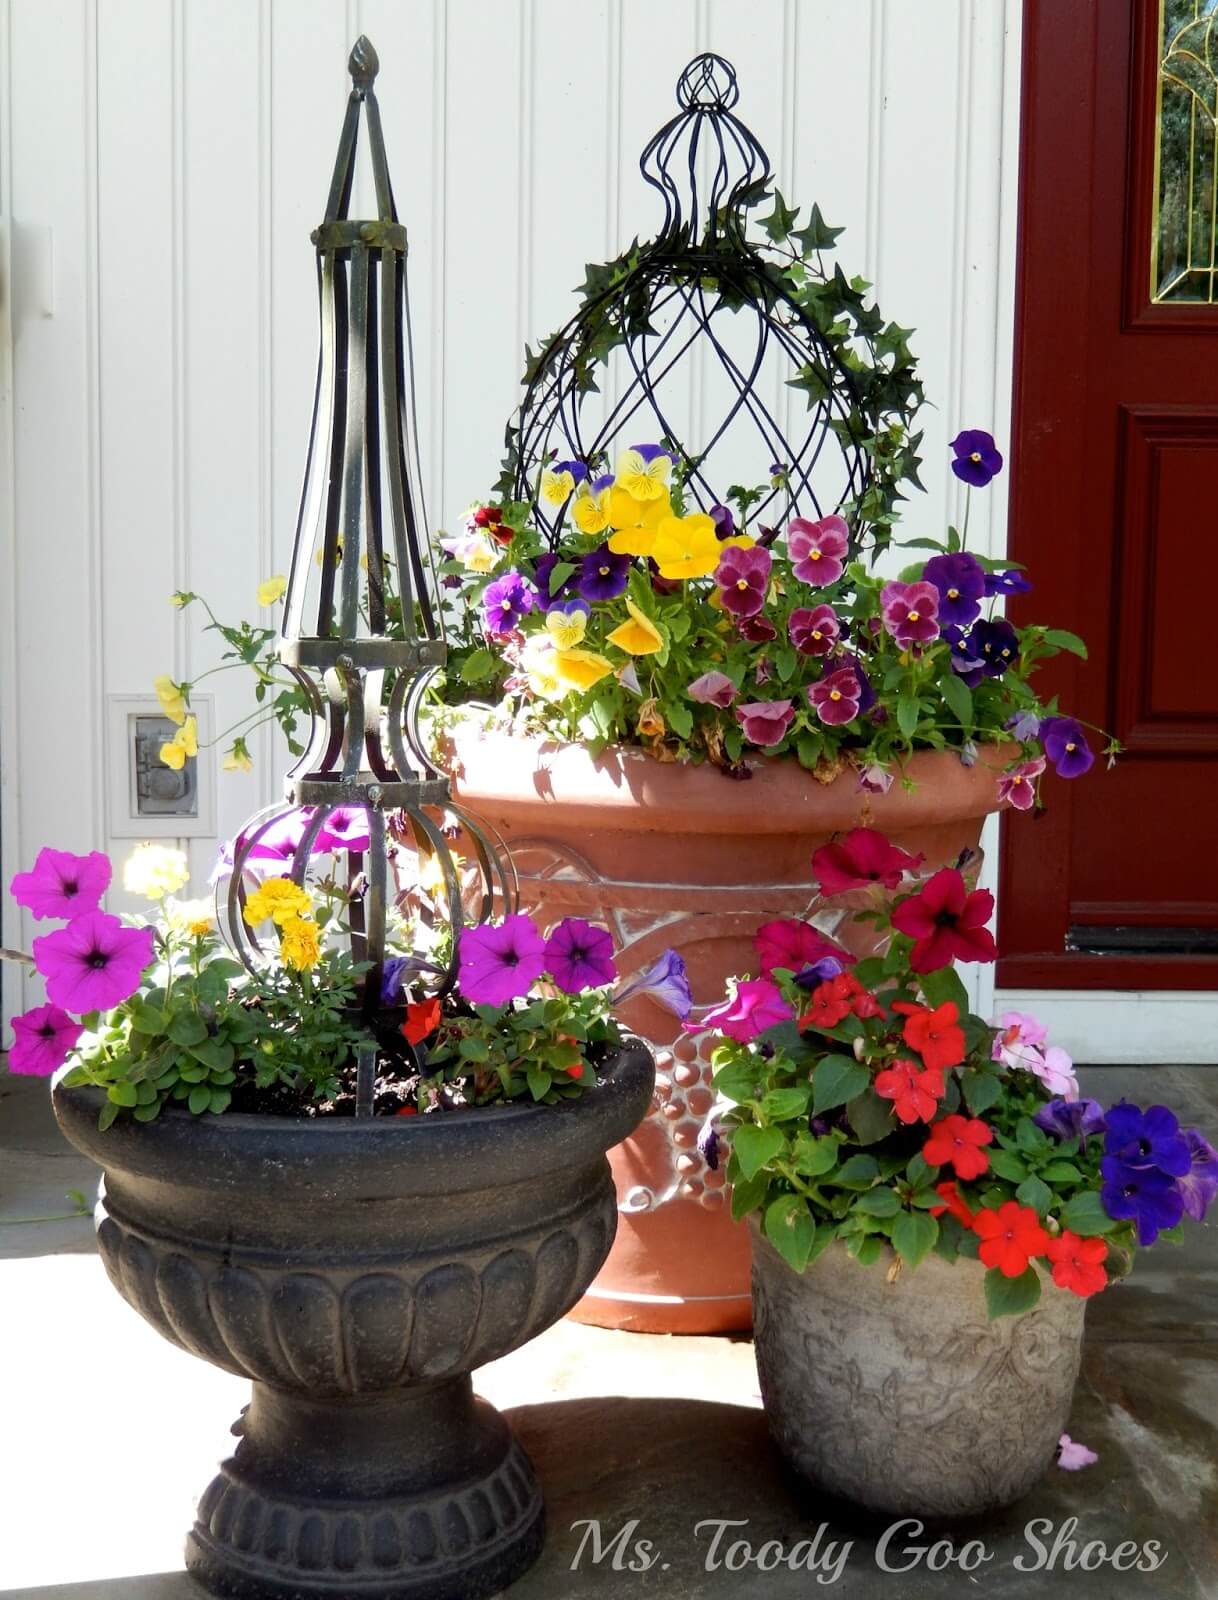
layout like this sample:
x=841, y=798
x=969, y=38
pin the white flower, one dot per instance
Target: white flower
x=155, y=870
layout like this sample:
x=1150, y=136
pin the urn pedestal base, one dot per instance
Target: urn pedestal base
x=422, y=1494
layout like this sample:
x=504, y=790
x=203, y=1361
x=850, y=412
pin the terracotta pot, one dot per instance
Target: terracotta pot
x=683, y=856
x=903, y=1396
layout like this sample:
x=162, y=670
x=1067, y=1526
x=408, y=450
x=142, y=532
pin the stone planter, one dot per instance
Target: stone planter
x=357, y=1272
x=682, y=856
x=903, y=1397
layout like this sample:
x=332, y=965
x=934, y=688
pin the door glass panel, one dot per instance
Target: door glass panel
x=1184, y=251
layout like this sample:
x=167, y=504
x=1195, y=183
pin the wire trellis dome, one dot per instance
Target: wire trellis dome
x=755, y=319
x=362, y=631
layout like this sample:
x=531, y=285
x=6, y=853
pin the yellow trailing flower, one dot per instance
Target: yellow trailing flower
x=580, y=669
x=566, y=628
x=180, y=598
x=271, y=589
x=645, y=480
x=639, y=636
x=300, y=946
x=185, y=742
x=195, y=917
x=155, y=870
x=590, y=512
x=277, y=898
x=238, y=758
x=172, y=698
x=686, y=547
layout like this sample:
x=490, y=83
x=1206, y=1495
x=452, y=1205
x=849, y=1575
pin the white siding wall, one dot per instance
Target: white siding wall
x=179, y=152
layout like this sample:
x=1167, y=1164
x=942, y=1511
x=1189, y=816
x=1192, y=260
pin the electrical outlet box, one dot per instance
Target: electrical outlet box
x=147, y=799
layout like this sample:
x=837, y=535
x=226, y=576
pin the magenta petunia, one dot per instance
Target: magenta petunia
x=500, y=961
x=765, y=722
x=579, y=956
x=836, y=699
x=63, y=885
x=345, y=828
x=757, y=1005
x=42, y=1041
x=864, y=857
x=911, y=612
x=791, y=943
x=743, y=577
x=94, y=963
x=818, y=549
x=712, y=689
x=815, y=630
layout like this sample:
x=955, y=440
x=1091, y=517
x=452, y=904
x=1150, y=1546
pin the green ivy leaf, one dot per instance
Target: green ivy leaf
x=1008, y=1297
x=790, y=1229
x=754, y=1146
x=780, y=221
x=1063, y=639
x=836, y=1080
x=914, y=1233
x=818, y=235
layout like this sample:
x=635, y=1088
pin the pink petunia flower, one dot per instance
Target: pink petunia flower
x=579, y=956
x=947, y=922
x=712, y=689
x=788, y=942
x=1019, y=785
x=757, y=1005
x=94, y=963
x=818, y=549
x=63, y=885
x=814, y=631
x=836, y=698
x=911, y=612
x=42, y=1041
x=765, y=722
x=500, y=961
x=865, y=856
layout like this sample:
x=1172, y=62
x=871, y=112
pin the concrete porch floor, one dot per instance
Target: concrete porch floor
x=109, y=1433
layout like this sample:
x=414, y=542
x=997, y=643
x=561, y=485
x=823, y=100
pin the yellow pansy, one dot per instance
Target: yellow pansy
x=155, y=870
x=301, y=943
x=590, y=512
x=645, y=480
x=639, y=636
x=180, y=598
x=185, y=742
x=270, y=590
x=238, y=758
x=539, y=659
x=556, y=487
x=580, y=669
x=566, y=628
x=173, y=701
x=686, y=547
x=480, y=554
x=635, y=522
x=192, y=916
x=431, y=872
x=277, y=898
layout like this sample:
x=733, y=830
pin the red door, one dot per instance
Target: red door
x=1114, y=487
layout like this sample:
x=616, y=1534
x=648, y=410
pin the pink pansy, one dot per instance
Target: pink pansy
x=790, y=943
x=712, y=689
x=836, y=698
x=1019, y=785
x=815, y=630
x=63, y=885
x=875, y=779
x=765, y=722
x=911, y=612
x=757, y=1005
x=42, y=1040
x=818, y=549
x=865, y=856
x=94, y=963
x=743, y=576
x=1072, y=1455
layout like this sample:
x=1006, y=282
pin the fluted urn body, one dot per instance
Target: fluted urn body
x=357, y=1271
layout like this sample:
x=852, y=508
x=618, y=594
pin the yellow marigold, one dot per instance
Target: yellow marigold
x=639, y=636
x=185, y=742
x=173, y=701
x=192, y=916
x=155, y=870
x=686, y=547
x=270, y=590
x=277, y=898
x=301, y=943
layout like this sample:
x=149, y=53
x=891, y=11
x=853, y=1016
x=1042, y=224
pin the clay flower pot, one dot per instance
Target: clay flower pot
x=683, y=857
x=356, y=1272
x=904, y=1397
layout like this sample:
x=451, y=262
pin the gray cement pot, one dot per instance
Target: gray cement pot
x=357, y=1272
x=903, y=1397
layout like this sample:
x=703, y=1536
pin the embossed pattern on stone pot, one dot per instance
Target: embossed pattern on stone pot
x=357, y=1271
x=682, y=857
x=903, y=1397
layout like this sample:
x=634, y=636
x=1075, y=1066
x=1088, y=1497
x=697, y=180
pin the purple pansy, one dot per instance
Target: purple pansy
x=543, y=568
x=94, y=963
x=875, y=779
x=1199, y=1184
x=960, y=582
x=1024, y=725
x=665, y=980
x=1149, y=1138
x=1018, y=786
x=500, y=961
x=61, y=884
x=765, y=722
x=579, y=956
x=977, y=457
x=725, y=522
x=505, y=601
x=995, y=645
x=837, y=698
x=743, y=577
x=577, y=469
x=965, y=663
x=814, y=630
x=1066, y=746
x=1142, y=1195
x=602, y=575
x=42, y=1041
x=818, y=549
x=649, y=452
x=712, y=689
x=1010, y=582
x=757, y=630
x=911, y=612
x=1071, y=1119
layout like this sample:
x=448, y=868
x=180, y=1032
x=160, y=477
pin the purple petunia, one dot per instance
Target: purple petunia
x=743, y=577
x=602, y=575
x=505, y=602
x=818, y=972
x=814, y=630
x=579, y=956
x=910, y=612
x=977, y=457
x=765, y=722
x=1011, y=582
x=1149, y=1138
x=94, y=963
x=61, y=884
x=666, y=980
x=1066, y=746
x=42, y=1041
x=500, y=961
x=1071, y=1119
x=1142, y=1195
x=960, y=583
x=1199, y=1184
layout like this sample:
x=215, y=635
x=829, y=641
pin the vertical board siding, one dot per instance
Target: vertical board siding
x=181, y=151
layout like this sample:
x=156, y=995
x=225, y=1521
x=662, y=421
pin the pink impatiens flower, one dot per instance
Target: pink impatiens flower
x=815, y=630
x=1019, y=785
x=63, y=885
x=42, y=1040
x=757, y=1005
x=712, y=689
x=865, y=856
x=818, y=549
x=94, y=963
x=911, y=612
x=788, y=942
x=765, y=722
x=836, y=699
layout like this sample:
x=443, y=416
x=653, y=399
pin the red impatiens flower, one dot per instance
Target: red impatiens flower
x=953, y=1202
x=862, y=858
x=936, y=1035
x=914, y=1094
x=946, y=922
x=1010, y=1237
x=1078, y=1264
x=422, y=1018
x=835, y=999
x=958, y=1140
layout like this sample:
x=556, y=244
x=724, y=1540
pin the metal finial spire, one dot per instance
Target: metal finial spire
x=363, y=63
